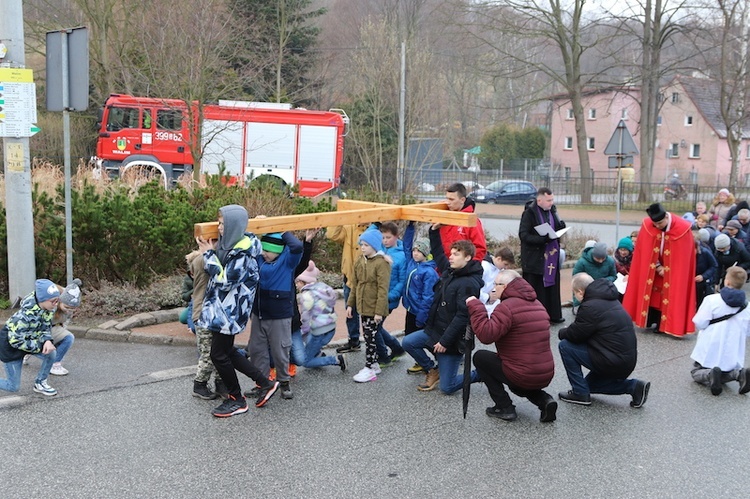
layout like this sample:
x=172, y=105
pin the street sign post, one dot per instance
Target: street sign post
x=621, y=148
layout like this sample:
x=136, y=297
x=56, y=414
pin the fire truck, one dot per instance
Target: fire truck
x=243, y=140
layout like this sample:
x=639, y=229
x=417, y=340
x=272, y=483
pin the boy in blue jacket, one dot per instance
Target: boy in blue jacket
x=421, y=277
x=29, y=331
x=393, y=249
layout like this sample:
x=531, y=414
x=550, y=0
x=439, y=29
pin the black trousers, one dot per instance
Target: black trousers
x=227, y=359
x=548, y=296
x=490, y=369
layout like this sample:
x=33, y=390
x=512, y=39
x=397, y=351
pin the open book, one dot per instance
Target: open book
x=621, y=283
x=545, y=229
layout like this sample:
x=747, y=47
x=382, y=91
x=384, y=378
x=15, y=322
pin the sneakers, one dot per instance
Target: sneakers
x=415, y=369
x=220, y=388
x=397, y=355
x=342, y=361
x=253, y=393
x=641, y=393
x=574, y=398
x=431, y=381
x=549, y=410
x=714, y=381
x=265, y=394
x=292, y=370
x=230, y=407
x=744, y=380
x=352, y=346
x=58, y=369
x=272, y=374
x=26, y=359
x=365, y=375
x=201, y=391
x=507, y=414
x=376, y=368
x=286, y=391
x=43, y=388
x=385, y=363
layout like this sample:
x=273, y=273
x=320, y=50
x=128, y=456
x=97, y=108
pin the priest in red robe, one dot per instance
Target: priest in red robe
x=661, y=284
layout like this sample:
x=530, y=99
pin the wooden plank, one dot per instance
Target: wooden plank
x=417, y=213
x=210, y=230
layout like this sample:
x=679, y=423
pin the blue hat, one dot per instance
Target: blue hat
x=45, y=290
x=373, y=237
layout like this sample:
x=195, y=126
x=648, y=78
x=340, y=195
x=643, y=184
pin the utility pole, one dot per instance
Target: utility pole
x=15, y=130
x=401, y=123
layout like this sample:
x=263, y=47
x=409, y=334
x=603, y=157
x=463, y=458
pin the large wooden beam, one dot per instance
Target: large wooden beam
x=349, y=212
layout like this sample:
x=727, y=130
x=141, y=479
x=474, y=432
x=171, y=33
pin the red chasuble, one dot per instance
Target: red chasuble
x=674, y=292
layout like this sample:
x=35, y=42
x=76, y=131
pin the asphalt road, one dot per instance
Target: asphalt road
x=125, y=425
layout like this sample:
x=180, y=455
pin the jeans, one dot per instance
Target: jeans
x=63, y=346
x=384, y=339
x=308, y=355
x=352, y=325
x=451, y=380
x=575, y=356
x=13, y=382
x=190, y=322
x=297, y=352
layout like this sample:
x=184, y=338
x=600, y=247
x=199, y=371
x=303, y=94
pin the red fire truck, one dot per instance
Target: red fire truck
x=249, y=140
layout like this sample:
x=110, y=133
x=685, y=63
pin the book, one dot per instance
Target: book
x=545, y=229
x=621, y=283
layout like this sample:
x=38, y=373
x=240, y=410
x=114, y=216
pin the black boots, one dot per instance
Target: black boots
x=201, y=390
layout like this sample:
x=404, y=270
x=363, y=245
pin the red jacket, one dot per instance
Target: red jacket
x=449, y=234
x=519, y=327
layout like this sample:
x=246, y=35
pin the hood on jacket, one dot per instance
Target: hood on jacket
x=732, y=297
x=588, y=255
x=473, y=267
x=519, y=288
x=602, y=289
x=235, y=223
x=469, y=205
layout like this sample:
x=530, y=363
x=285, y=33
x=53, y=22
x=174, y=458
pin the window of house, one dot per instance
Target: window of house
x=658, y=120
x=624, y=114
x=592, y=114
x=688, y=120
x=695, y=150
x=570, y=114
x=675, y=98
x=748, y=152
x=674, y=150
x=660, y=97
x=568, y=143
x=591, y=143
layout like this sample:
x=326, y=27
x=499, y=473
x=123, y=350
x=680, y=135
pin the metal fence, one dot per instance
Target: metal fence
x=567, y=189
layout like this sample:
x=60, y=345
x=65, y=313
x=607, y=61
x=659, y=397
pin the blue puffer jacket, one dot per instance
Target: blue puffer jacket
x=398, y=273
x=230, y=292
x=420, y=281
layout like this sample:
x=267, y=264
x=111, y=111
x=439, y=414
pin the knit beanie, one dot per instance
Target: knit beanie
x=589, y=244
x=272, y=242
x=734, y=224
x=423, y=246
x=721, y=241
x=45, y=290
x=310, y=274
x=626, y=243
x=704, y=235
x=599, y=250
x=71, y=295
x=373, y=237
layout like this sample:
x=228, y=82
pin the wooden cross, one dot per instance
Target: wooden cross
x=349, y=212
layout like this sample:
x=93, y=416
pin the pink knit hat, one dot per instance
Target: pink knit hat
x=310, y=274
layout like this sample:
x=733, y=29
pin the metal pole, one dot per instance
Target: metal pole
x=66, y=143
x=19, y=212
x=401, y=123
x=619, y=193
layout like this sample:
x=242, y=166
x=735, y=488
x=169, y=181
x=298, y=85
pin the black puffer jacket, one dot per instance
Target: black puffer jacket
x=532, y=244
x=448, y=315
x=606, y=328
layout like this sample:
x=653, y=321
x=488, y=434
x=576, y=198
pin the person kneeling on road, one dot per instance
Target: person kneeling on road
x=601, y=339
x=519, y=327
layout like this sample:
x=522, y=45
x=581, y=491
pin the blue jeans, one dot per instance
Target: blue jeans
x=451, y=380
x=63, y=347
x=575, y=356
x=297, y=352
x=307, y=355
x=352, y=325
x=13, y=382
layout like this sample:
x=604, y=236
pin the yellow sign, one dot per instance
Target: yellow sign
x=16, y=75
x=14, y=156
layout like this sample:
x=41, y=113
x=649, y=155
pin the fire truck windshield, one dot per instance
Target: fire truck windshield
x=122, y=117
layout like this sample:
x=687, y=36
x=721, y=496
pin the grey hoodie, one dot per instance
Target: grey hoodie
x=235, y=224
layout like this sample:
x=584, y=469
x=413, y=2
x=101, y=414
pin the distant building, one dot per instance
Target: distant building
x=691, y=137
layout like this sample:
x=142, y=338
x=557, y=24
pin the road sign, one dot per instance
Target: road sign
x=620, y=162
x=17, y=102
x=621, y=143
x=68, y=69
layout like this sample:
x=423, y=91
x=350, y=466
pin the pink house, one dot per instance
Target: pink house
x=690, y=138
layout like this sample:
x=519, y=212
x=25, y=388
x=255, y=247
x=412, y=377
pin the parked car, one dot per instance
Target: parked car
x=505, y=192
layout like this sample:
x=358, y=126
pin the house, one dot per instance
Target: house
x=690, y=136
